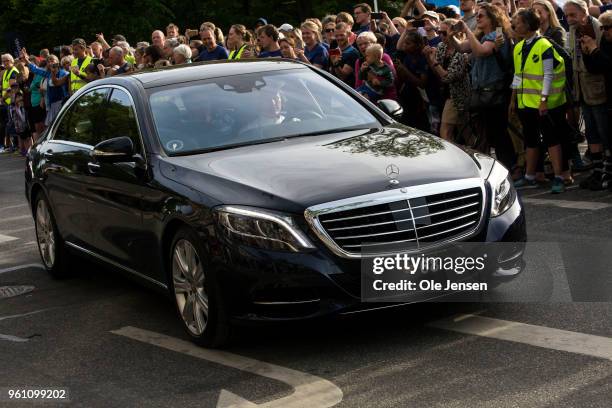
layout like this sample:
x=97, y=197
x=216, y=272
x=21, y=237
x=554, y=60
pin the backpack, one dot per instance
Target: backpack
x=19, y=122
x=569, y=68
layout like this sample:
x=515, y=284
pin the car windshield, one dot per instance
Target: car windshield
x=252, y=108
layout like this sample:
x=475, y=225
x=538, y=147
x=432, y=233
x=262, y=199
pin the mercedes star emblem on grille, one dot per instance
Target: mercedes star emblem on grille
x=392, y=172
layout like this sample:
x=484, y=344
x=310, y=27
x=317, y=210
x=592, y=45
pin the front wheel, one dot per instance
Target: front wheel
x=195, y=291
x=50, y=243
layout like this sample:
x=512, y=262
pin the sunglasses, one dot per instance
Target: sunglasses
x=330, y=30
x=480, y=16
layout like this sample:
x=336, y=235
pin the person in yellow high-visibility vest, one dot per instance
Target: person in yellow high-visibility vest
x=539, y=94
x=9, y=78
x=78, y=67
x=238, y=40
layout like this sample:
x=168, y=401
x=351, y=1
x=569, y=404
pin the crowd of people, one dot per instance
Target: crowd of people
x=528, y=79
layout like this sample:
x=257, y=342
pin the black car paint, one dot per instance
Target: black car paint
x=131, y=210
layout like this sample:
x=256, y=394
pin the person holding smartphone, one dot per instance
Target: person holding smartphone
x=491, y=67
x=362, y=13
x=55, y=91
x=590, y=93
x=452, y=68
x=342, y=59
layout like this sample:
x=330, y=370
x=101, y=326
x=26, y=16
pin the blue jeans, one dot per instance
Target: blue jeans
x=596, y=124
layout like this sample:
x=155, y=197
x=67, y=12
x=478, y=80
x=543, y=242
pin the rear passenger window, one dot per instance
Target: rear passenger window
x=121, y=118
x=84, y=120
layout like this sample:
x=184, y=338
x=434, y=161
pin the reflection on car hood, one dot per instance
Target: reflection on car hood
x=296, y=173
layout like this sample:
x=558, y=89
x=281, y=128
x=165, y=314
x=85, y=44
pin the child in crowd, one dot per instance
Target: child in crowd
x=18, y=123
x=377, y=75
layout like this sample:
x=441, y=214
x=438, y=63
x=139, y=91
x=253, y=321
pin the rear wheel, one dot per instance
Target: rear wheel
x=195, y=291
x=50, y=243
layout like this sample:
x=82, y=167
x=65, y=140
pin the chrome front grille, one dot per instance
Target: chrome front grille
x=409, y=219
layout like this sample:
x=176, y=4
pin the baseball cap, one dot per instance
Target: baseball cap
x=455, y=9
x=261, y=20
x=431, y=14
x=79, y=41
x=285, y=27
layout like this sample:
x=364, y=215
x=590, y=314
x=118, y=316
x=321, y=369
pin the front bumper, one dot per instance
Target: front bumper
x=277, y=286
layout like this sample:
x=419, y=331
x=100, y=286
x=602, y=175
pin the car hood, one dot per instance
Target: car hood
x=293, y=174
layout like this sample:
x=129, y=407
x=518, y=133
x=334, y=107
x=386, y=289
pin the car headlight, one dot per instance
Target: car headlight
x=262, y=228
x=504, y=193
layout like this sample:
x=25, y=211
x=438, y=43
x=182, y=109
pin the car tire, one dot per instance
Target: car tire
x=51, y=247
x=196, y=293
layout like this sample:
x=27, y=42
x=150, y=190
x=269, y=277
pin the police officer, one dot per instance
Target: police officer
x=539, y=92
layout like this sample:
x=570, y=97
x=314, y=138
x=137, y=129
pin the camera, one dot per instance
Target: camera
x=376, y=16
x=418, y=23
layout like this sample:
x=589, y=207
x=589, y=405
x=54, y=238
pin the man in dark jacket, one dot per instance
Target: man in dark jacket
x=598, y=58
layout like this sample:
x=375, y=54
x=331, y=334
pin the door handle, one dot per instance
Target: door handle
x=93, y=167
x=48, y=154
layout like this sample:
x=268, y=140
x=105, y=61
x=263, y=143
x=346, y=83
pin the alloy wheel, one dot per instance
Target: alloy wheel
x=188, y=280
x=45, y=234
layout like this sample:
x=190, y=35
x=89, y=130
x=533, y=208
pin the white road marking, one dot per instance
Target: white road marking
x=578, y=205
x=20, y=217
x=309, y=391
x=19, y=230
x=26, y=314
x=6, y=238
x=10, y=207
x=20, y=248
x=16, y=339
x=539, y=336
x=19, y=267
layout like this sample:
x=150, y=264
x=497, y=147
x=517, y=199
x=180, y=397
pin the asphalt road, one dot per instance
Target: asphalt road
x=543, y=350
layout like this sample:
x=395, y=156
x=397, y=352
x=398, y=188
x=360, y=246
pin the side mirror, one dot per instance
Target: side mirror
x=391, y=108
x=115, y=150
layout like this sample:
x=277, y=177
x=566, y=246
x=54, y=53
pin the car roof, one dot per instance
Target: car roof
x=212, y=69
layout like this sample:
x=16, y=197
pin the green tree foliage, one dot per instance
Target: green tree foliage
x=49, y=23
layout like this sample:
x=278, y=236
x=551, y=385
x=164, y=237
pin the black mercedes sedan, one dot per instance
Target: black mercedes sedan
x=254, y=190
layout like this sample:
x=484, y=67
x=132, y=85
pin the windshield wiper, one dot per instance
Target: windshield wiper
x=323, y=132
x=229, y=146
x=263, y=141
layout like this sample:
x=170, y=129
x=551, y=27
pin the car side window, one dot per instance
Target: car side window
x=121, y=118
x=84, y=121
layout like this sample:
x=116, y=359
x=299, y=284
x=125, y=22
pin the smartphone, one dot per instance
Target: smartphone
x=192, y=33
x=335, y=52
x=499, y=31
x=418, y=23
x=376, y=16
x=456, y=27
